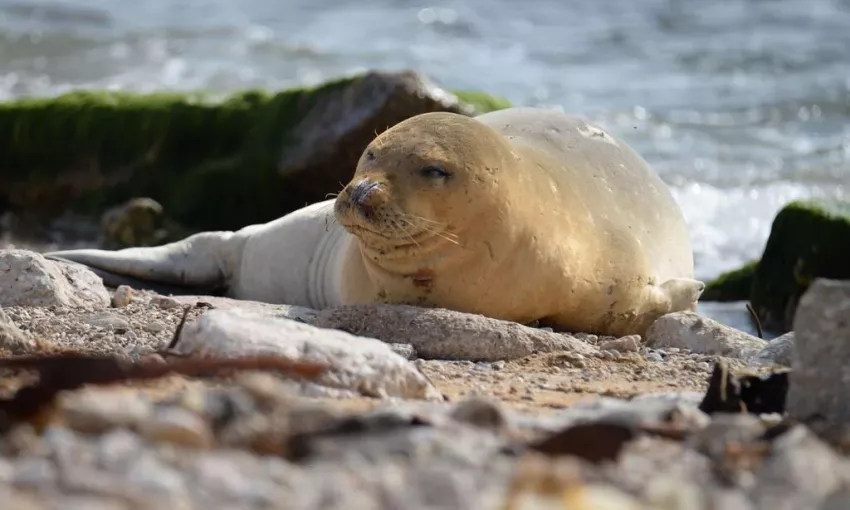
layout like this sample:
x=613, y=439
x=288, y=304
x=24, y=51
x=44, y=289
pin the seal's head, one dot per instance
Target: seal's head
x=422, y=184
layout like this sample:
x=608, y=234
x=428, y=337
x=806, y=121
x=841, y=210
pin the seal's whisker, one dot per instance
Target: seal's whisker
x=448, y=236
x=398, y=227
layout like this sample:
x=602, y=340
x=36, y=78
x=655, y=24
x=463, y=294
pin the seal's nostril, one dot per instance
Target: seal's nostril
x=361, y=190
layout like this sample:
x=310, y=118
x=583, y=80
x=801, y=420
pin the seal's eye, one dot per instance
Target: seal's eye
x=433, y=172
x=370, y=156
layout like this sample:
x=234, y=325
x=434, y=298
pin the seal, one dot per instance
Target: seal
x=522, y=214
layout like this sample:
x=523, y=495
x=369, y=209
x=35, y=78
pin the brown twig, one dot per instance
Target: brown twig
x=179, y=329
x=756, y=320
x=68, y=371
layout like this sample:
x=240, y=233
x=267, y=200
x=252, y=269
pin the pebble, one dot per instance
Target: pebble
x=404, y=350
x=165, y=302
x=122, y=296
x=154, y=327
x=178, y=426
x=481, y=412
x=653, y=356
x=630, y=343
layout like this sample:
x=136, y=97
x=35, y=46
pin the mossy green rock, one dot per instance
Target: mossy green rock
x=732, y=285
x=808, y=239
x=249, y=158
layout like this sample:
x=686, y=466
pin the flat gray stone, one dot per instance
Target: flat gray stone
x=699, y=334
x=820, y=380
x=437, y=333
x=365, y=365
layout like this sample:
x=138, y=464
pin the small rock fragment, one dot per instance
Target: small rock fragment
x=438, y=333
x=406, y=351
x=480, y=412
x=366, y=365
x=689, y=330
x=122, y=296
x=13, y=339
x=95, y=411
x=27, y=278
x=107, y=320
x=154, y=327
x=820, y=381
x=165, y=302
x=653, y=356
x=779, y=351
x=178, y=426
x=630, y=343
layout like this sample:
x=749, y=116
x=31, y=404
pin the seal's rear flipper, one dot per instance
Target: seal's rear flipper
x=113, y=280
x=683, y=293
x=199, y=264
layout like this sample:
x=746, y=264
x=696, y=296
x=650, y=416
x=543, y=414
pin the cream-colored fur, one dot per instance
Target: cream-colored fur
x=522, y=214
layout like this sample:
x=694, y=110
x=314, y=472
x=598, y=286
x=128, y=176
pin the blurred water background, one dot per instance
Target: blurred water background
x=740, y=105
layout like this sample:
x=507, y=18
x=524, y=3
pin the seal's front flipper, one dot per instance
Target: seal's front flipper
x=682, y=294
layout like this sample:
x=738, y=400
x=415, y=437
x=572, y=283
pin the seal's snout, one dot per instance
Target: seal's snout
x=361, y=193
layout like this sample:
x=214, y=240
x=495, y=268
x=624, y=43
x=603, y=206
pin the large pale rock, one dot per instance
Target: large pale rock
x=692, y=331
x=801, y=472
x=437, y=333
x=820, y=381
x=29, y=279
x=779, y=351
x=365, y=365
x=298, y=313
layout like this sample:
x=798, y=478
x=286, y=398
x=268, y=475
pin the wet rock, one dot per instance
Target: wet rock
x=699, y=334
x=820, y=382
x=779, y=351
x=445, y=334
x=13, y=339
x=365, y=365
x=29, y=279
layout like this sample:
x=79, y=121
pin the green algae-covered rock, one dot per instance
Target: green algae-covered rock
x=732, y=285
x=222, y=164
x=808, y=239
